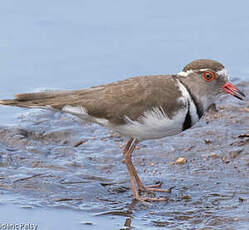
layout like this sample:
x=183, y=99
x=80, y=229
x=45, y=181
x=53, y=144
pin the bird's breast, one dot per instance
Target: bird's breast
x=153, y=124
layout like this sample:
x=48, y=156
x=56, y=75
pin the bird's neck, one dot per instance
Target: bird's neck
x=201, y=102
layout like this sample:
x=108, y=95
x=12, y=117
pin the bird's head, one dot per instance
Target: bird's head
x=207, y=79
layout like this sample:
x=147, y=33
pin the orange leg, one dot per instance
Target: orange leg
x=129, y=148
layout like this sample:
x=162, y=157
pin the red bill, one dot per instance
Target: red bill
x=231, y=89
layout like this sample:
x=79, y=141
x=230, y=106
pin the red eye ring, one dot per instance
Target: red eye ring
x=208, y=76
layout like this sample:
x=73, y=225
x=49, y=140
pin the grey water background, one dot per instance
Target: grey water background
x=77, y=44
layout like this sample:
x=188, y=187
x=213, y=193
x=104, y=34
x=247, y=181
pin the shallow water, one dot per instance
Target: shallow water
x=46, y=179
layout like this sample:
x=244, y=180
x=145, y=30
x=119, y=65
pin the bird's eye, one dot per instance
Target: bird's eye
x=208, y=76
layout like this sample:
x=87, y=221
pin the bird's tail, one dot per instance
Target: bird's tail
x=47, y=99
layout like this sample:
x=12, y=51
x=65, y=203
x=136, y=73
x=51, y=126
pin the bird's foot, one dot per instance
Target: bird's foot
x=151, y=199
x=149, y=189
x=154, y=188
x=157, y=185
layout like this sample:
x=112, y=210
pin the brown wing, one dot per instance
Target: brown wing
x=113, y=101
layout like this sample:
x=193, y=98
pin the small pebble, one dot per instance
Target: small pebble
x=186, y=197
x=235, y=153
x=87, y=223
x=213, y=155
x=128, y=222
x=181, y=160
x=79, y=143
x=64, y=142
x=241, y=199
x=207, y=141
x=225, y=160
x=243, y=135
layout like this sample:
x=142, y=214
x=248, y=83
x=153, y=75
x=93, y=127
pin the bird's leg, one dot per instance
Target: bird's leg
x=131, y=144
x=129, y=148
x=128, y=145
x=127, y=154
x=154, y=188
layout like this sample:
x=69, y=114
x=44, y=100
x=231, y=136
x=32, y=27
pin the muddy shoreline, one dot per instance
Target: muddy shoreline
x=56, y=160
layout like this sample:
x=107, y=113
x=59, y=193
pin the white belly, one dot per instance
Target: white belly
x=153, y=124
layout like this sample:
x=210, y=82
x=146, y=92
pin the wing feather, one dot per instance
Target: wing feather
x=115, y=101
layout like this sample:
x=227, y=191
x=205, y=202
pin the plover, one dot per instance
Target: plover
x=142, y=108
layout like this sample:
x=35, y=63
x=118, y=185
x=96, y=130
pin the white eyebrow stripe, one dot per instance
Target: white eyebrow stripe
x=223, y=72
x=185, y=73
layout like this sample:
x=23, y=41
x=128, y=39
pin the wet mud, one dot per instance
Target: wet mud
x=51, y=159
